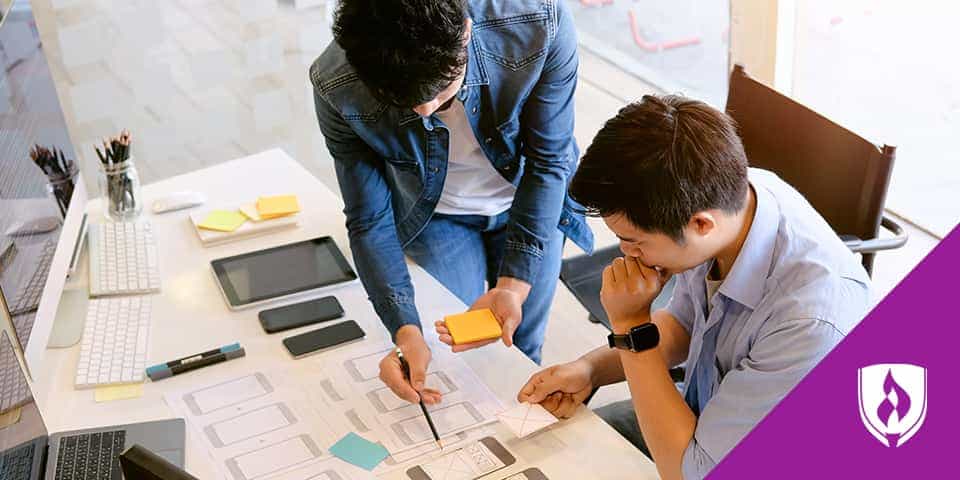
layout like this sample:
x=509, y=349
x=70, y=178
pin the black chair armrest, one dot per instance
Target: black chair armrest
x=899, y=239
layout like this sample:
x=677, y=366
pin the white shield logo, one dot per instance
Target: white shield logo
x=893, y=401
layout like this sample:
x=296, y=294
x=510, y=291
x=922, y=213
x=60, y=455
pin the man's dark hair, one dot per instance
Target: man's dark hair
x=660, y=161
x=405, y=51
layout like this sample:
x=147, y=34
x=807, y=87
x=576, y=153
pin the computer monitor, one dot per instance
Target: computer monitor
x=23, y=436
x=40, y=214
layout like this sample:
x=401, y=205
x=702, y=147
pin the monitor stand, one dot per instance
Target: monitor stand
x=72, y=310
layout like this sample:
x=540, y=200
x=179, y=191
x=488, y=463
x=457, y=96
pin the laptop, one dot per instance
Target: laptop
x=27, y=452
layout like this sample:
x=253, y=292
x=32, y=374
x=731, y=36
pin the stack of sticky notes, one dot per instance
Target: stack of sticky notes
x=277, y=206
x=222, y=221
x=473, y=326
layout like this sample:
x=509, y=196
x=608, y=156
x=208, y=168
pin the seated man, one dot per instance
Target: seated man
x=765, y=289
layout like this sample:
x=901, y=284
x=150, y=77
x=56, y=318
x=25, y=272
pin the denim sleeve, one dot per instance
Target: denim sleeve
x=373, y=236
x=784, y=352
x=547, y=135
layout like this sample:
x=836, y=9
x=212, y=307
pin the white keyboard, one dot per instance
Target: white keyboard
x=29, y=296
x=115, y=341
x=123, y=259
x=13, y=386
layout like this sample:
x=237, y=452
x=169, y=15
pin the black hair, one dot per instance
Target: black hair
x=404, y=51
x=660, y=161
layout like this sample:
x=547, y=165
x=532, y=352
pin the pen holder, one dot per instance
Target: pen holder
x=61, y=187
x=120, y=188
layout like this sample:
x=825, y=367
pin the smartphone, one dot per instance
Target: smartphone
x=300, y=314
x=321, y=339
x=528, y=474
x=474, y=460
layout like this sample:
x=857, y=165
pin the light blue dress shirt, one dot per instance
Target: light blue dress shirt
x=792, y=294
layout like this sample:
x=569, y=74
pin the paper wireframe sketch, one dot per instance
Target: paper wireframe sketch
x=526, y=418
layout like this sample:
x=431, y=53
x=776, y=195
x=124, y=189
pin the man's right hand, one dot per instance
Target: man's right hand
x=410, y=341
x=560, y=389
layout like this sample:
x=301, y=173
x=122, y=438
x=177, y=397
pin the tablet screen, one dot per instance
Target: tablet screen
x=283, y=270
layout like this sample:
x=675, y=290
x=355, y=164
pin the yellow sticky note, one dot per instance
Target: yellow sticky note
x=277, y=206
x=10, y=417
x=118, y=392
x=473, y=326
x=250, y=211
x=223, y=221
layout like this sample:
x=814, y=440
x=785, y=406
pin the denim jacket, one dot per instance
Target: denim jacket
x=391, y=163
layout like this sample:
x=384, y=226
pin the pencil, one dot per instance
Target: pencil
x=406, y=375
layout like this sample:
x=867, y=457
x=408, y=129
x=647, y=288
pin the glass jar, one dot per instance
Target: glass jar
x=60, y=187
x=120, y=188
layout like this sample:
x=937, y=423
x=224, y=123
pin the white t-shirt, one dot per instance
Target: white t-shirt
x=712, y=287
x=472, y=186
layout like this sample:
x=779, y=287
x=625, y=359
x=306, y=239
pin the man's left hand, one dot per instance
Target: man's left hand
x=506, y=302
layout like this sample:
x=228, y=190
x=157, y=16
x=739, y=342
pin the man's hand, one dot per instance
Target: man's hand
x=560, y=389
x=506, y=302
x=414, y=348
x=629, y=287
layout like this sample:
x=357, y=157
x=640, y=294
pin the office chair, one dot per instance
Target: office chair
x=842, y=175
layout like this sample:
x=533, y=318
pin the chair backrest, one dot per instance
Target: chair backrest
x=842, y=175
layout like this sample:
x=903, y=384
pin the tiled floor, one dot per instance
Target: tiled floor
x=200, y=82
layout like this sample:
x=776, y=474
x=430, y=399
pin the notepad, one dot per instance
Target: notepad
x=473, y=326
x=359, y=451
x=222, y=221
x=277, y=206
x=118, y=392
x=526, y=419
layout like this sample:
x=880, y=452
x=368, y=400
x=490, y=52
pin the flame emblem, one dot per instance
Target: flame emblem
x=893, y=401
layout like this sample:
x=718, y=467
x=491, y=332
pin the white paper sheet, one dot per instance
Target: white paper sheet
x=526, y=419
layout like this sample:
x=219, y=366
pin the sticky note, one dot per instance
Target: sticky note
x=118, y=392
x=250, y=211
x=526, y=418
x=277, y=206
x=10, y=417
x=223, y=221
x=473, y=326
x=359, y=451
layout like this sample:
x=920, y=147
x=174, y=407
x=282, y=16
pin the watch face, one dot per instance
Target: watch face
x=644, y=337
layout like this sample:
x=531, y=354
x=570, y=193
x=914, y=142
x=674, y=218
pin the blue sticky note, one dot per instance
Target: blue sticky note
x=359, y=451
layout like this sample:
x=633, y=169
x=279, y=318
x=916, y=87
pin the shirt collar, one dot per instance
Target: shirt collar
x=744, y=283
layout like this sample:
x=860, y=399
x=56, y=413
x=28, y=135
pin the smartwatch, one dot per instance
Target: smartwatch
x=638, y=339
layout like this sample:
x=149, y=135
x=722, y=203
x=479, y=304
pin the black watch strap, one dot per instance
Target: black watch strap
x=638, y=339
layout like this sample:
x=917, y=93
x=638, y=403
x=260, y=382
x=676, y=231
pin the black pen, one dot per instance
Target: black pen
x=406, y=376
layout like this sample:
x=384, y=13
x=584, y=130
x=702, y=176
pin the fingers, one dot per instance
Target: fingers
x=418, y=360
x=526, y=392
x=566, y=407
x=392, y=376
x=552, y=402
x=509, y=326
x=608, y=278
x=431, y=396
x=633, y=267
x=619, y=269
x=463, y=347
x=547, y=383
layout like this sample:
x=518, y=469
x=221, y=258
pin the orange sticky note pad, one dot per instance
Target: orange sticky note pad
x=473, y=326
x=277, y=206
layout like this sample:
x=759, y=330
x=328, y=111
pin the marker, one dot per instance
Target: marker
x=193, y=362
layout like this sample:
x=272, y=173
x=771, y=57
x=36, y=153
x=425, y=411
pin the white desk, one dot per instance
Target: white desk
x=189, y=315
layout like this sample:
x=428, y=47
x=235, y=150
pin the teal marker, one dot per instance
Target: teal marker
x=193, y=362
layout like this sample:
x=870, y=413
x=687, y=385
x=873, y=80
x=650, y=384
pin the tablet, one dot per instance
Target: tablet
x=281, y=272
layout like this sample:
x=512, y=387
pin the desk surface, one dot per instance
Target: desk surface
x=189, y=315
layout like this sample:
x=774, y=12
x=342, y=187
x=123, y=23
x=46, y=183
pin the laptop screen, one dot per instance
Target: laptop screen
x=20, y=424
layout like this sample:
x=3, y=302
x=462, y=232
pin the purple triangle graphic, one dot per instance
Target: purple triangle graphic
x=816, y=431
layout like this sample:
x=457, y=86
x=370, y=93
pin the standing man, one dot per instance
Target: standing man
x=450, y=123
x=765, y=288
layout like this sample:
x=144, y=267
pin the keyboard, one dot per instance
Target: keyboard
x=16, y=464
x=14, y=391
x=123, y=259
x=115, y=340
x=90, y=456
x=28, y=299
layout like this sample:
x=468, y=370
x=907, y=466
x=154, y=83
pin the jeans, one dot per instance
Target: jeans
x=623, y=419
x=464, y=252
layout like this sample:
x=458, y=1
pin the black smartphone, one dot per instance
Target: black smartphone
x=300, y=314
x=323, y=338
